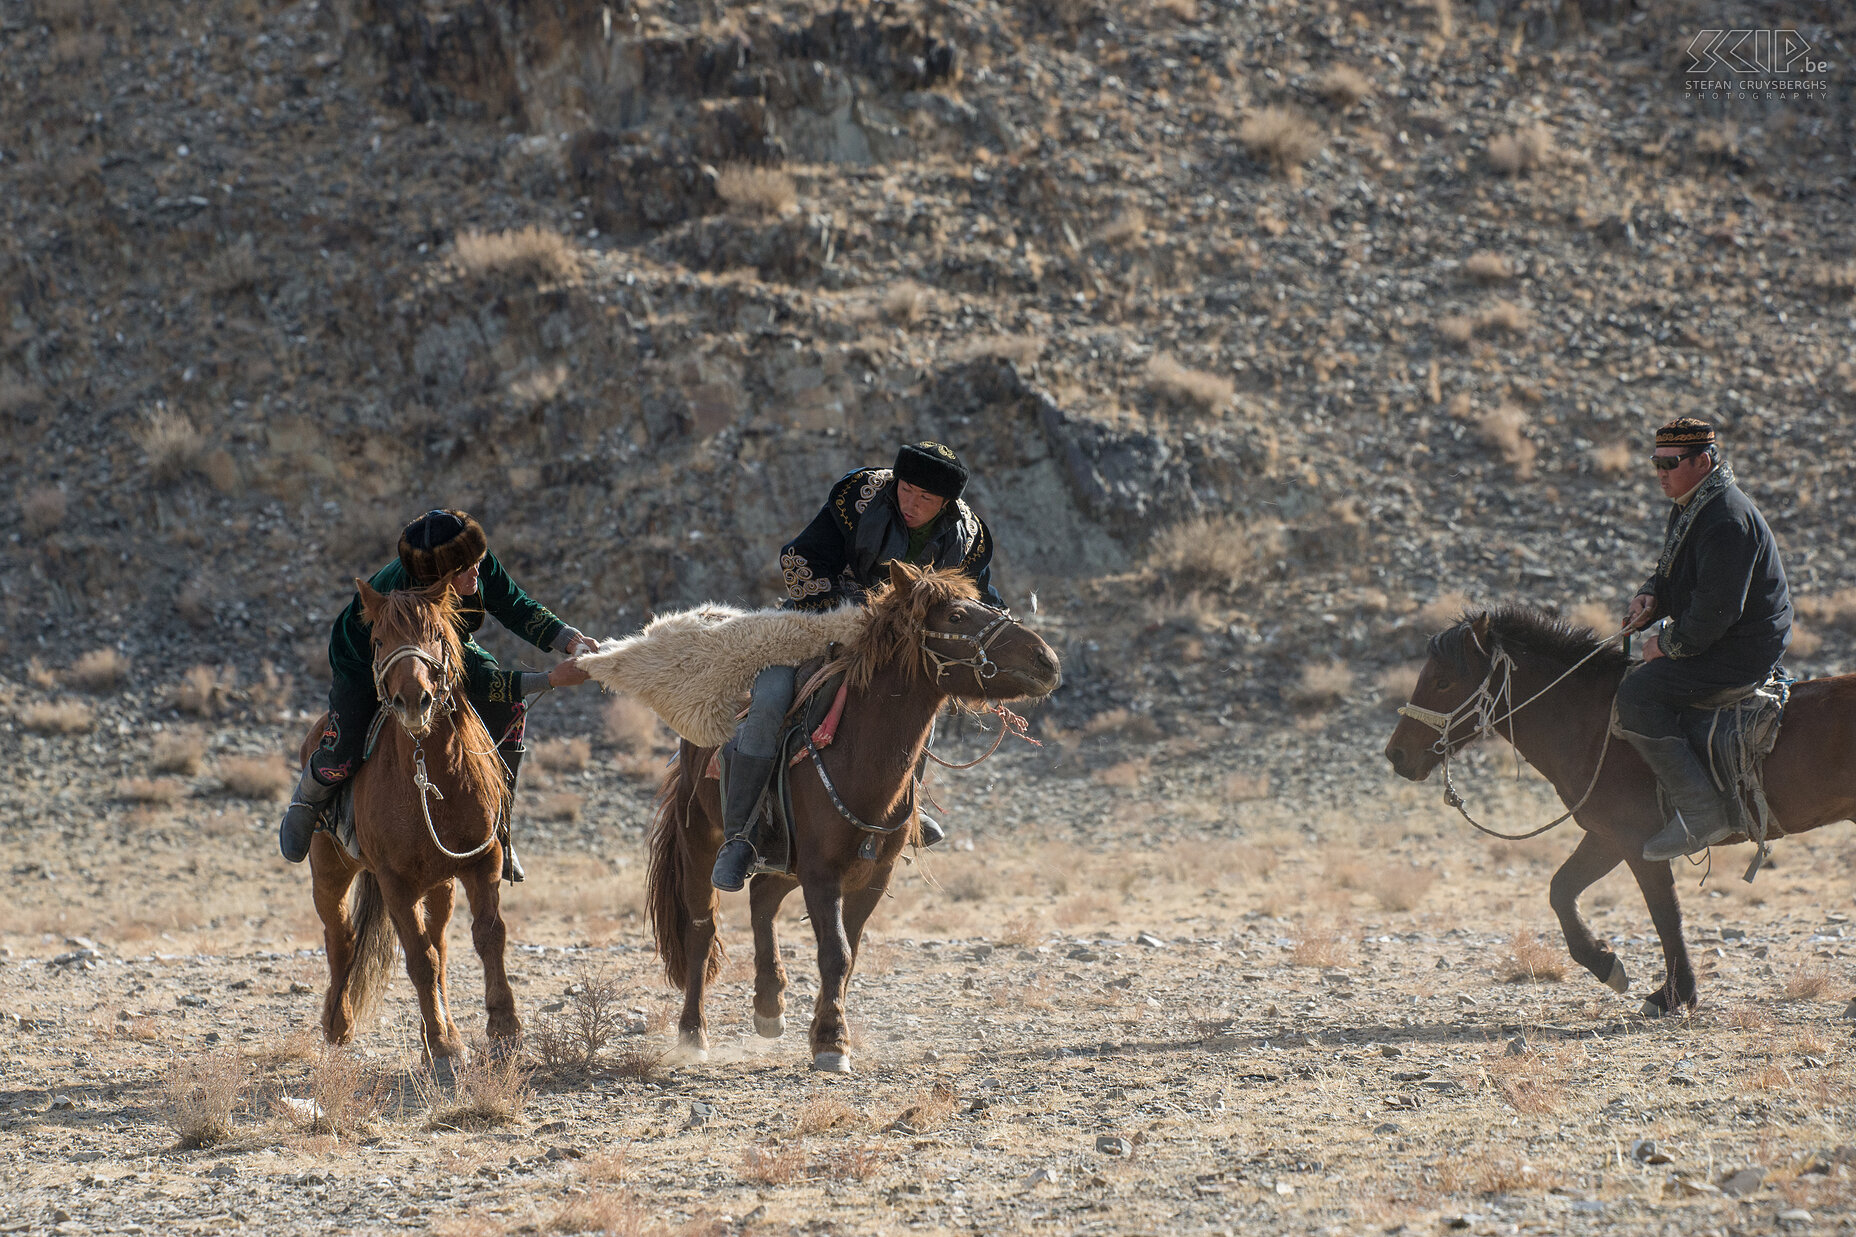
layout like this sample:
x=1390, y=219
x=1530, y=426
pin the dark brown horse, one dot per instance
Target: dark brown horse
x=1563, y=736
x=426, y=805
x=928, y=639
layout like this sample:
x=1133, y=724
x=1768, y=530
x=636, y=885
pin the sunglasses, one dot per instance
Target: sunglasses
x=1665, y=463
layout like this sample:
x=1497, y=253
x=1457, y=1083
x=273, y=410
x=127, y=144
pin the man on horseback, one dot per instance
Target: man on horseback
x=1720, y=585
x=912, y=513
x=449, y=546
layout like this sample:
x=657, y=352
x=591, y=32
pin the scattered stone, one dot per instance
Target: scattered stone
x=63, y=1103
x=60, y=1215
x=1517, y=1047
x=1284, y=1189
x=1150, y=941
x=1388, y=1127
x=1588, y=1206
x=700, y=1114
x=1467, y=1220
x=191, y=1000
x=82, y=942
x=1645, y=1151
x=75, y=957
x=1744, y=1182
x=1082, y=954
x=1388, y=1050
x=224, y=1169
x=1849, y=1012
x=1797, y=1215
x=1042, y=1176
x=982, y=951
x=565, y=1153
x=1442, y=965
x=1114, y=1144
x=1732, y=934
x=552, y=1127
x=298, y=988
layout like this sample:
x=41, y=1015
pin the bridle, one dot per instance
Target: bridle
x=446, y=705
x=1483, y=710
x=981, y=662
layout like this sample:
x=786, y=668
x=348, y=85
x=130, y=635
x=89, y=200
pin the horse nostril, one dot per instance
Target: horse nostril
x=425, y=701
x=399, y=702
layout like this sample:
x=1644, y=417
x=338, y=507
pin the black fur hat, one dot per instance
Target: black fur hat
x=933, y=467
x=439, y=543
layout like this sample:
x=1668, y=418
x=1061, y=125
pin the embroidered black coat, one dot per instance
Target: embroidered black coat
x=1725, y=595
x=848, y=546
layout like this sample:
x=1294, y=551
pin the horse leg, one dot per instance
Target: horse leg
x=765, y=893
x=830, y=1046
x=490, y=937
x=332, y=877
x=435, y=916
x=857, y=909
x=1588, y=864
x=698, y=947
x=1658, y=883
x=422, y=964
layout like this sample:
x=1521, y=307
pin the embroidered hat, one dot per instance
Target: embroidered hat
x=1686, y=432
x=933, y=467
x=441, y=542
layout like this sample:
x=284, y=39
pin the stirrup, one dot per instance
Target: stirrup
x=1677, y=840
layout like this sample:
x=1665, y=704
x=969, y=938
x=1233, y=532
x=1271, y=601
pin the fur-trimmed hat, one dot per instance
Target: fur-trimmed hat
x=1687, y=432
x=439, y=543
x=933, y=467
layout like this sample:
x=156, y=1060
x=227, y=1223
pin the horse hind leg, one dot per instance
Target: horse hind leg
x=704, y=961
x=765, y=893
x=1589, y=862
x=1658, y=883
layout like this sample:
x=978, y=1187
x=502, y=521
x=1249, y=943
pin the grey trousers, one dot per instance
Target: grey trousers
x=759, y=732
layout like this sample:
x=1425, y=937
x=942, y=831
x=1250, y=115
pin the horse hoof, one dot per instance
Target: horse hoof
x=445, y=1071
x=770, y=1028
x=1652, y=1010
x=832, y=1062
x=1617, y=981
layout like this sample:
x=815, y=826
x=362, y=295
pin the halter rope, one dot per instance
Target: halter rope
x=1480, y=708
x=447, y=691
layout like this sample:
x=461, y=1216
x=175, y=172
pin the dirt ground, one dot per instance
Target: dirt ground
x=1163, y=1001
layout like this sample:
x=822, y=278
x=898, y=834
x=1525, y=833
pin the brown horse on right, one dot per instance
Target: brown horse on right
x=928, y=638
x=1564, y=736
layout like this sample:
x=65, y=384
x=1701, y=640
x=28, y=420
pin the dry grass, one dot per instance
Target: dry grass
x=973, y=882
x=929, y=1109
x=527, y=255
x=171, y=446
x=1503, y=318
x=773, y=1165
x=347, y=1096
x=826, y=1115
x=255, y=777
x=42, y=511
x=234, y=267
x=1613, y=459
x=1525, y=150
x=1400, y=888
x=1124, y=774
x=1246, y=787
x=150, y=789
x=1812, y=983
x=202, y=690
x=560, y=806
x=1488, y=267
x=1021, y=932
x=564, y=755
x=756, y=190
x=1530, y=959
x=1281, y=137
x=1217, y=551
x=1207, y=392
x=634, y=731
x=1343, y=85
x=643, y=1064
x=1396, y=683
x=58, y=717
x=1021, y=350
x=1502, y=428
x=490, y=1089
x=1754, y=1019
x=1837, y=281
x=1322, y=685
x=177, y=752
x=99, y=670
x=200, y=1095
x=1125, y=229
x=592, y=1016
x=1320, y=947
x=1528, y=1083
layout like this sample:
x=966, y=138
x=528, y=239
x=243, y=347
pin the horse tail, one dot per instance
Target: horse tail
x=372, y=964
x=666, y=892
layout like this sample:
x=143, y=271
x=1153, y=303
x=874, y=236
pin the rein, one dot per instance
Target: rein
x=980, y=662
x=1008, y=721
x=447, y=692
x=1481, y=708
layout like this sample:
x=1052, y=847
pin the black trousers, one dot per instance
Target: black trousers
x=1651, y=697
x=495, y=693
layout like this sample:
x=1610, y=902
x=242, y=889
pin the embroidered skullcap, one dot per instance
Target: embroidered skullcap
x=932, y=466
x=1689, y=433
x=440, y=542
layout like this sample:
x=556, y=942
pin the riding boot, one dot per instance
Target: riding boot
x=1701, y=818
x=512, y=754
x=747, y=781
x=300, y=818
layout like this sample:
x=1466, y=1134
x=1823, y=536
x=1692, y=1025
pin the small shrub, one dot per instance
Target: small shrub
x=1457, y=329
x=1613, y=459
x=345, y=1094
x=1531, y=960
x=1401, y=888
x=1245, y=787
x=1125, y=228
x=150, y=789
x=255, y=777
x=822, y=1116
x=99, y=670
x=564, y=755
x=171, y=445
x=904, y=302
x=756, y=190
x=560, y=806
x=43, y=511
x=1322, y=685
x=1501, y=429
x=199, y=1097
x=1125, y=774
x=773, y=1165
x=1281, y=137
x=930, y=1109
x=592, y=1016
x=234, y=267
x=1755, y=1019
x=1021, y=932
x=1810, y=984
x=1219, y=551
x=61, y=717
x=1527, y=1084
x=1396, y=683
x=1524, y=150
x=490, y=1089
x=1208, y=392
x=849, y=1163
x=632, y=728
x=202, y=690
x=1344, y=86
x=973, y=883
x=1320, y=947
x=527, y=255
x=177, y=753
x=1836, y=281
x=1503, y=317
x=1021, y=350
x=643, y=1064
x=1486, y=267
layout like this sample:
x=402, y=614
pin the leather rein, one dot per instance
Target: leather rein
x=448, y=704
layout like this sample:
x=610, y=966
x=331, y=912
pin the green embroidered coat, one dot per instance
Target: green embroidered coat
x=351, y=654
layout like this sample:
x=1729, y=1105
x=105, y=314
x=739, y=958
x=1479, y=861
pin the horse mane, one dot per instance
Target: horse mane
x=428, y=616
x=892, y=634
x=1526, y=630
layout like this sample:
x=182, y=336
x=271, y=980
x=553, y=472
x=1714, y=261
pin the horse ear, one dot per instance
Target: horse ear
x=370, y=599
x=1480, y=627
x=901, y=577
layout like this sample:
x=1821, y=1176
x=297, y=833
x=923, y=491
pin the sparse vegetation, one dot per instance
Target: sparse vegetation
x=522, y=255
x=1811, y=983
x=1217, y=551
x=57, y=717
x=1322, y=685
x=1527, y=149
x=1502, y=428
x=757, y=190
x=1204, y=391
x=202, y=690
x=490, y=1089
x=171, y=446
x=177, y=752
x=255, y=777
x=1531, y=960
x=99, y=670
x=1281, y=137
x=42, y=511
x=200, y=1095
x=1487, y=267
x=1344, y=86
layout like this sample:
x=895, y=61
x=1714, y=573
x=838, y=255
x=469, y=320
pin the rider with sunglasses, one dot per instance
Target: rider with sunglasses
x=913, y=513
x=1721, y=588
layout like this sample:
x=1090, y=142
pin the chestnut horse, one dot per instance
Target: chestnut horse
x=928, y=639
x=1481, y=678
x=422, y=820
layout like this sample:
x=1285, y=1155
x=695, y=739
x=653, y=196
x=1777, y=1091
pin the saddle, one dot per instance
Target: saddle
x=813, y=717
x=1733, y=734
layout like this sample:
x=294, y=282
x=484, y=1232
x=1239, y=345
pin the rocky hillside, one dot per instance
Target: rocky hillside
x=1273, y=330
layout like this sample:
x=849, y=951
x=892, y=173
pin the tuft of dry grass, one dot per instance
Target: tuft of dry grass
x=1021, y=931
x=1206, y=391
x=200, y=1095
x=1021, y=350
x=58, y=717
x=255, y=777
x=1220, y=551
x=529, y=255
x=1125, y=229
x=564, y=755
x=99, y=670
x=1396, y=683
x=1528, y=1083
x=177, y=752
x=1501, y=428
x=905, y=302
x=929, y=1109
x=1812, y=983
x=1525, y=150
x=202, y=690
x=1124, y=774
x=1531, y=959
x=1613, y=459
x=171, y=445
x=1838, y=281
x=43, y=511
x=592, y=1016
x=756, y=190
x=1343, y=85
x=973, y=882
x=1488, y=267
x=150, y=789
x=826, y=1115
x=346, y=1095
x=561, y=806
x=643, y=1064
x=1322, y=685
x=234, y=267
x=1281, y=137
x=1320, y=947
x=1401, y=888
x=633, y=730
x=490, y=1089
x=773, y=1165
x=1755, y=1019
